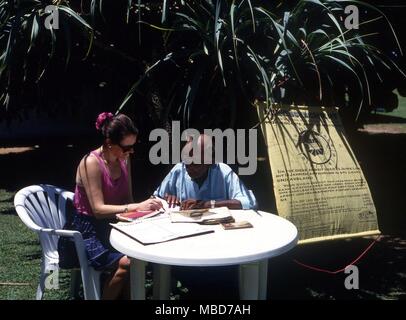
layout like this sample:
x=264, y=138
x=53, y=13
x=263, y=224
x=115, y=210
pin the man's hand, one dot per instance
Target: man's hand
x=172, y=200
x=192, y=204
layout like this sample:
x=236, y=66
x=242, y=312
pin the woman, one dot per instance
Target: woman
x=104, y=189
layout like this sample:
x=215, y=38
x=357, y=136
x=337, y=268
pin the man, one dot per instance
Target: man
x=204, y=185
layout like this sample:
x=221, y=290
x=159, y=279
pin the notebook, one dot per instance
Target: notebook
x=159, y=229
x=134, y=215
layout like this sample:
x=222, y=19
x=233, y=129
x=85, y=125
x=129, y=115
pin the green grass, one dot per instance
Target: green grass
x=400, y=111
x=20, y=256
x=382, y=269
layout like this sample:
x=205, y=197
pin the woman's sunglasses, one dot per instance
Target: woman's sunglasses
x=127, y=148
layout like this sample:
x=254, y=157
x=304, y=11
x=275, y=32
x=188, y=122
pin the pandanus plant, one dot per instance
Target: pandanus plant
x=321, y=60
x=216, y=56
x=30, y=39
x=225, y=54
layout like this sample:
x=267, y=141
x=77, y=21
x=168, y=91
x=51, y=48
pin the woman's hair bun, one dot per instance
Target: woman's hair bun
x=102, y=119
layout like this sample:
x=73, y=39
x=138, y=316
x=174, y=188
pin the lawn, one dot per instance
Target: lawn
x=20, y=256
x=382, y=269
x=400, y=111
x=393, y=122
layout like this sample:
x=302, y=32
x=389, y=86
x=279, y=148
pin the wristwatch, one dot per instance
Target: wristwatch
x=212, y=204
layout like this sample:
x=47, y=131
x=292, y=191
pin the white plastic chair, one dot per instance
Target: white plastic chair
x=42, y=208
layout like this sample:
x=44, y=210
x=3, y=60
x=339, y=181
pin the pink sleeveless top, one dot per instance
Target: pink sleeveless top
x=115, y=192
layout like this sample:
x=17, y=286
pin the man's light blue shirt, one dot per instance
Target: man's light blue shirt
x=221, y=184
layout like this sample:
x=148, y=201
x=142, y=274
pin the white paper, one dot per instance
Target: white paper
x=159, y=229
x=165, y=205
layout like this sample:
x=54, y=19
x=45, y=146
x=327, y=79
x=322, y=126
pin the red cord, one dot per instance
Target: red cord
x=340, y=270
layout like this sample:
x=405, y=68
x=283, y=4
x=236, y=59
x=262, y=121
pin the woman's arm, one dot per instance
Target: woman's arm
x=91, y=177
x=130, y=184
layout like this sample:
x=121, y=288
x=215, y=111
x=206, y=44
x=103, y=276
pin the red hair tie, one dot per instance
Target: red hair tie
x=101, y=119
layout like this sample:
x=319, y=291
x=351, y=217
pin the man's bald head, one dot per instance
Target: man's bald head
x=197, y=155
x=198, y=150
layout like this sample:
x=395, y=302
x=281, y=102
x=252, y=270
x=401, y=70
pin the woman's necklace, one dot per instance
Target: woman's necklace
x=111, y=166
x=103, y=156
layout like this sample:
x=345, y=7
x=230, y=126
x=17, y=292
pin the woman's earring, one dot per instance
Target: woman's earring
x=109, y=146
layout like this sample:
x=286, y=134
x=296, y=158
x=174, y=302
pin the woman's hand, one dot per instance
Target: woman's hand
x=150, y=204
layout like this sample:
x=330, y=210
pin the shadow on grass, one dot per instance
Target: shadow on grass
x=383, y=160
x=382, y=273
x=381, y=270
x=10, y=212
x=381, y=118
x=6, y=202
x=33, y=256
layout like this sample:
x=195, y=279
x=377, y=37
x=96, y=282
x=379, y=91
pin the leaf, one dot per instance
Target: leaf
x=134, y=87
x=34, y=32
x=164, y=4
x=278, y=28
x=155, y=26
x=347, y=67
x=218, y=25
x=129, y=4
x=191, y=94
x=76, y=16
x=381, y=13
x=252, y=16
x=139, y=19
x=68, y=41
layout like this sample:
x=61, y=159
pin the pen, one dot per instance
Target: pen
x=258, y=213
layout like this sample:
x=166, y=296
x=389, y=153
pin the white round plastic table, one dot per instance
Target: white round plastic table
x=250, y=248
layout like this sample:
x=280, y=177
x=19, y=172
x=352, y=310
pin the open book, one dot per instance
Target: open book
x=158, y=229
x=203, y=216
x=138, y=215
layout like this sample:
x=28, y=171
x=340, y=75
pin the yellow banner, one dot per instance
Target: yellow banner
x=318, y=183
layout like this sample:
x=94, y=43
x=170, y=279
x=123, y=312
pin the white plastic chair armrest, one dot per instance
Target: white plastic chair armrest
x=77, y=236
x=62, y=233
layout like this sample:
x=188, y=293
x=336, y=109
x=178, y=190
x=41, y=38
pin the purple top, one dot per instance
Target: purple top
x=115, y=192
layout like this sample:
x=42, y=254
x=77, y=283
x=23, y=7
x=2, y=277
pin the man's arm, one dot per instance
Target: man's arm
x=201, y=204
x=168, y=189
x=238, y=192
x=231, y=204
x=237, y=196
